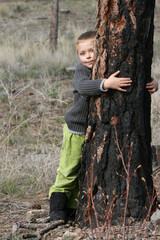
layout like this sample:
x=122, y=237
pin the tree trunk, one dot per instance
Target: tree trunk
x=54, y=26
x=118, y=136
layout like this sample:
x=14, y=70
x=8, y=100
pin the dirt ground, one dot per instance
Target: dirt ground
x=14, y=209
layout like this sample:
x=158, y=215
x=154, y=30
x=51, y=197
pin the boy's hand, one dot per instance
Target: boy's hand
x=116, y=83
x=152, y=86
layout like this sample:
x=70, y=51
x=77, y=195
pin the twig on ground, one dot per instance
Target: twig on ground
x=43, y=220
x=40, y=93
x=56, y=99
x=22, y=90
x=32, y=226
x=28, y=119
x=46, y=227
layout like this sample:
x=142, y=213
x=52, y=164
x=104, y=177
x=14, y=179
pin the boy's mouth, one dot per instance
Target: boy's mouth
x=90, y=62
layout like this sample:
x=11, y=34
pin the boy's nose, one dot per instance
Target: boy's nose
x=88, y=55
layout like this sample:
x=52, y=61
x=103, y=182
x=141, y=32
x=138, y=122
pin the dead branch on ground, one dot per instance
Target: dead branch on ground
x=41, y=228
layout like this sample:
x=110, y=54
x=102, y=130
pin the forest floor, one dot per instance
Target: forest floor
x=14, y=210
x=32, y=111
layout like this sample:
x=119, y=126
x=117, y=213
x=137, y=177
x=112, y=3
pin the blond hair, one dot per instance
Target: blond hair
x=86, y=36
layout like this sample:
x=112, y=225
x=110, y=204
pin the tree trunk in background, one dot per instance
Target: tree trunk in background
x=54, y=26
x=124, y=42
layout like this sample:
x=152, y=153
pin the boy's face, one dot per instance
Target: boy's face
x=85, y=50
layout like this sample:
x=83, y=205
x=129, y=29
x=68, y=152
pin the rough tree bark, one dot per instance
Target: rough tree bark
x=124, y=42
x=54, y=26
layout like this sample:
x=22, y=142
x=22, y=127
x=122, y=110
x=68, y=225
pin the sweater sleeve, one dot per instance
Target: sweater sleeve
x=83, y=84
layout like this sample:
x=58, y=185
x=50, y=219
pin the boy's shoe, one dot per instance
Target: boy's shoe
x=58, y=206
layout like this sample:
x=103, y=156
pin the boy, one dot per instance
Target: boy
x=65, y=190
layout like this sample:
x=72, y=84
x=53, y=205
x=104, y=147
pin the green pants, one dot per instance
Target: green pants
x=67, y=173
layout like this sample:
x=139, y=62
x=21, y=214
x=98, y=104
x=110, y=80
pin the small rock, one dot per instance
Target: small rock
x=70, y=235
x=60, y=227
x=70, y=69
x=64, y=11
x=35, y=213
x=15, y=228
x=119, y=235
x=155, y=216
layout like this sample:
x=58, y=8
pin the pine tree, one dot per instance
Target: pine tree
x=119, y=123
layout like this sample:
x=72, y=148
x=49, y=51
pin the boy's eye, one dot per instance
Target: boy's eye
x=82, y=53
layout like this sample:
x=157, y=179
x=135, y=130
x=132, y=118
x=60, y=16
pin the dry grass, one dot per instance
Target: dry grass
x=22, y=57
x=34, y=94
x=23, y=172
x=35, y=91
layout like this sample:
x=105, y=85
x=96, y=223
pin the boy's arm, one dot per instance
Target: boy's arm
x=116, y=83
x=152, y=87
x=85, y=86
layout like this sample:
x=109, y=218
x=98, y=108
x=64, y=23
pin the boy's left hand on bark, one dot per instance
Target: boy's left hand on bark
x=152, y=86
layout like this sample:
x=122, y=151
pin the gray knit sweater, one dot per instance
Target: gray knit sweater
x=84, y=87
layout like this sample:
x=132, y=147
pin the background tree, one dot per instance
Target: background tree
x=54, y=25
x=124, y=42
